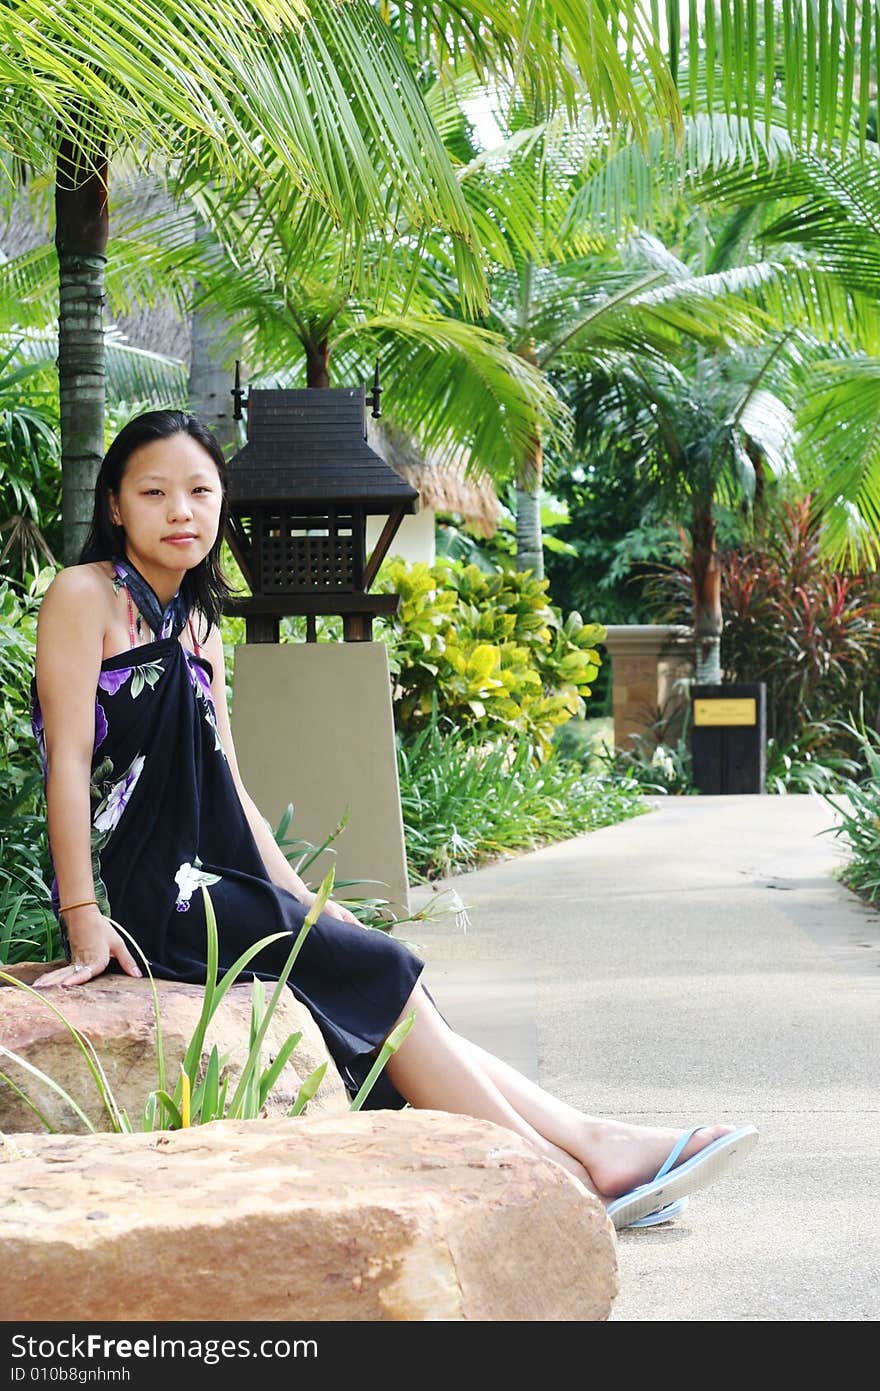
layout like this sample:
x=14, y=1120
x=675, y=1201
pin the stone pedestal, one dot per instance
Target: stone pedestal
x=313, y=725
x=650, y=661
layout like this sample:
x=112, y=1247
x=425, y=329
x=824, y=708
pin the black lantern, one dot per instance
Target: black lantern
x=300, y=492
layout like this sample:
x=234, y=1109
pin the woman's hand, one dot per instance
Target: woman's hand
x=336, y=910
x=332, y=910
x=93, y=941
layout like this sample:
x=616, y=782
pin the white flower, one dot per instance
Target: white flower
x=111, y=810
x=663, y=760
x=188, y=878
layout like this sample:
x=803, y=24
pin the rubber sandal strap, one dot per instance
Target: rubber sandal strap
x=676, y=1151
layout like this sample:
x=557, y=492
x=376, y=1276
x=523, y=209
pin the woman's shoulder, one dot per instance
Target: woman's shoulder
x=80, y=584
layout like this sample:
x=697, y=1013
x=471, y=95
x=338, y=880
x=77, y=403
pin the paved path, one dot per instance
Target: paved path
x=699, y=963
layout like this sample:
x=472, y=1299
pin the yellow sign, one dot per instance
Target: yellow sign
x=725, y=712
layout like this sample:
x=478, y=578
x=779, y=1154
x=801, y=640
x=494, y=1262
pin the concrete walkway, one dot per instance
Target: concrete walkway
x=699, y=963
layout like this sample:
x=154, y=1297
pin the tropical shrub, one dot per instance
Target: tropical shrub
x=27, y=926
x=30, y=479
x=659, y=760
x=810, y=631
x=488, y=651
x=465, y=801
x=857, y=803
x=810, y=762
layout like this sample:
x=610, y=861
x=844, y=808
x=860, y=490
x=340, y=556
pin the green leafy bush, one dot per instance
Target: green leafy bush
x=27, y=926
x=489, y=651
x=857, y=802
x=465, y=801
x=808, y=763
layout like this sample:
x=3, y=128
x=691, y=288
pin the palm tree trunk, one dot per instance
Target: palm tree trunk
x=209, y=391
x=706, y=577
x=81, y=227
x=209, y=388
x=318, y=364
x=529, y=541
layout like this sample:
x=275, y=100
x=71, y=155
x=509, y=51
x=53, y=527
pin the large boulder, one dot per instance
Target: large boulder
x=382, y=1215
x=116, y=1013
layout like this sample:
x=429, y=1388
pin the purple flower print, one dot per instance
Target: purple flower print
x=37, y=727
x=110, y=811
x=199, y=677
x=110, y=681
x=100, y=725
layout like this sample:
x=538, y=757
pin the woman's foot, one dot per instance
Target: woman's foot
x=619, y=1157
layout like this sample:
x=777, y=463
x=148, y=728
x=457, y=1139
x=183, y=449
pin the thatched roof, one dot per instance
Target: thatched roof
x=442, y=486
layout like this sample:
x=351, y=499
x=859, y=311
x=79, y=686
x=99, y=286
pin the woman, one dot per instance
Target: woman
x=145, y=804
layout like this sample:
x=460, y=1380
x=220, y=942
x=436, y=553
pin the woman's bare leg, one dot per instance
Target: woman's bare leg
x=434, y=1070
x=617, y=1155
x=446, y=1072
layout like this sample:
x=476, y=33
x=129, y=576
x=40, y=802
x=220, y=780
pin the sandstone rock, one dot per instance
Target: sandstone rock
x=116, y=1013
x=403, y=1215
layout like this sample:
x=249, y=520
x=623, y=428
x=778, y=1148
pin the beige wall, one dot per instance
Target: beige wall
x=312, y=724
x=414, y=539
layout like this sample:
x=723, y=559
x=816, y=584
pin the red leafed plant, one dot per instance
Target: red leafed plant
x=791, y=619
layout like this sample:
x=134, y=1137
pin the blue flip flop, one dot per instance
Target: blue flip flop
x=674, y=1181
x=663, y=1214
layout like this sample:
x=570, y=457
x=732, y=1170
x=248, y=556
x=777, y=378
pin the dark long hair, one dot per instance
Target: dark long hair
x=205, y=587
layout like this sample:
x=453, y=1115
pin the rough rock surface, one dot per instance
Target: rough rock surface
x=116, y=1013
x=404, y=1215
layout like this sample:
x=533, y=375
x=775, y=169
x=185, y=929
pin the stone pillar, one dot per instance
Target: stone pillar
x=313, y=725
x=649, y=663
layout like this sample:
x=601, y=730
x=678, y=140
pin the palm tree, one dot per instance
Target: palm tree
x=279, y=98
x=455, y=384
x=704, y=432
x=568, y=301
x=821, y=213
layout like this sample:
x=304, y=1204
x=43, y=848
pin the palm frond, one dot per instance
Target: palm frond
x=839, y=423
x=456, y=387
x=816, y=58
x=257, y=91
x=629, y=185
x=132, y=373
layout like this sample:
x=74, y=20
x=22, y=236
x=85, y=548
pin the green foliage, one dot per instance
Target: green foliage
x=30, y=484
x=857, y=802
x=27, y=927
x=659, y=760
x=812, y=632
x=488, y=651
x=466, y=801
x=811, y=762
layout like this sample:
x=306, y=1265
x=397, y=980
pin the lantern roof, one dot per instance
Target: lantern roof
x=309, y=446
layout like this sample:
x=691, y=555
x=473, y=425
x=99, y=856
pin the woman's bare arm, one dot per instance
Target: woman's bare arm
x=70, y=633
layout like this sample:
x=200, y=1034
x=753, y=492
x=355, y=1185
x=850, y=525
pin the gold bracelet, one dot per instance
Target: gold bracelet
x=85, y=904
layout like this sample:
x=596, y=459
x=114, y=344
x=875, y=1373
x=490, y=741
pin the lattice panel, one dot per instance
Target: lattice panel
x=301, y=554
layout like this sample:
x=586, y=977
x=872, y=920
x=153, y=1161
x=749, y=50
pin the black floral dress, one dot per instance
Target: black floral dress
x=167, y=818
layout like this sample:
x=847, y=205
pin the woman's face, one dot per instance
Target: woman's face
x=168, y=504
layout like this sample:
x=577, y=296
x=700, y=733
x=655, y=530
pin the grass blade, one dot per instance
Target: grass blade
x=389, y=1047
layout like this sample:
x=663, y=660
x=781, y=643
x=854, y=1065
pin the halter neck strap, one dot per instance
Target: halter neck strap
x=165, y=623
